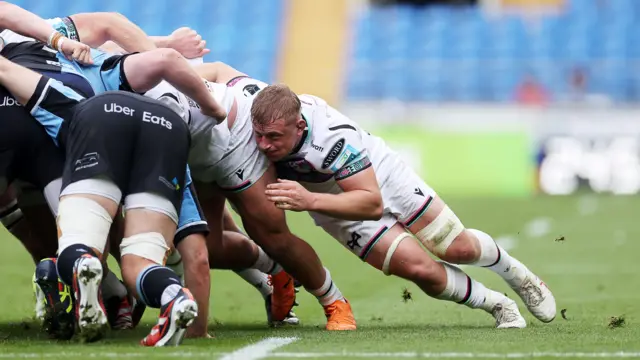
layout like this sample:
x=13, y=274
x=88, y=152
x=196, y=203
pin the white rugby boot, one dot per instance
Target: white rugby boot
x=507, y=315
x=90, y=311
x=534, y=292
x=175, y=317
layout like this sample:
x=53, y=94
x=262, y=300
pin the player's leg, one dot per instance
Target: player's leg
x=386, y=245
x=155, y=188
x=267, y=226
x=436, y=226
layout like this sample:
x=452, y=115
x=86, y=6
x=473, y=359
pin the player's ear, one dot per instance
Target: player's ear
x=301, y=124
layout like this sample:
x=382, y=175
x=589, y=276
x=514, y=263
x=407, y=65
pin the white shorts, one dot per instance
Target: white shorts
x=406, y=197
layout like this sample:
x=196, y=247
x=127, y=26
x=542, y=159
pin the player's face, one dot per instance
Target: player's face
x=278, y=138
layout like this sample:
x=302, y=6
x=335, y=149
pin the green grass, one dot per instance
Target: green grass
x=593, y=273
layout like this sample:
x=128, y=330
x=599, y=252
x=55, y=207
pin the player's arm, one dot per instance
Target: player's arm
x=24, y=22
x=144, y=71
x=20, y=81
x=218, y=72
x=94, y=29
x=360, y=199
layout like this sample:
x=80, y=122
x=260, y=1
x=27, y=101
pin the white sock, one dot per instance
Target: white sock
x=112, y=287
x=329, y=292
x=462, y=289
x=169, y=293
x=257, y=279
x=265, y=264
x=493, y=257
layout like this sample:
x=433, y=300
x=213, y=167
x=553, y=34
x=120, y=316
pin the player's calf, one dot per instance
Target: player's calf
x=440, y=230
x=396, y=253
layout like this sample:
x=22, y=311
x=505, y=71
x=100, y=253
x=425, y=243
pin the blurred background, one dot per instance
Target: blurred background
x=485, y=97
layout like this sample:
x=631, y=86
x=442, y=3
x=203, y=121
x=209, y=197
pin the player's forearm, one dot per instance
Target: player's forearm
x=97, y=28
x=193, y=250
x=160, y=41
x=24, y=22
x=355, y=205
x=182, y=76
x=217, y=72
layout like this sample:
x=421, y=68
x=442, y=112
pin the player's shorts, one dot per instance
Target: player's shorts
x=139, y=143
x=27, y=153
x=192, y=219
x=242, y=164
x=405, y=196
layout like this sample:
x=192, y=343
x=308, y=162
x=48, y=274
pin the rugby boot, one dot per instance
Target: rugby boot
x=290, y=319
x=283, y=297
x=507, y=315
x=339, y=316
x=58, y=319
x=119, y=313
x=90, y=311
x=534, y=292
x=174, y=319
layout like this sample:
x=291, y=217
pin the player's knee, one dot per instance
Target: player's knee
x=163, y=59
x=441, y=232
x=151, y=246
x=82, y=221
x=462, y=250
x=420, y=271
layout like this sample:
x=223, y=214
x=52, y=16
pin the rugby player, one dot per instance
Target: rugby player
x=189, y=44
x=226, y=158
x=363, y=194
x=146, y=167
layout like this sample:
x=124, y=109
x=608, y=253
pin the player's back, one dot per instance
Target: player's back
x=208, y=140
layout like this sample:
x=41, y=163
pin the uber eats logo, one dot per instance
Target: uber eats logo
x=146, y=116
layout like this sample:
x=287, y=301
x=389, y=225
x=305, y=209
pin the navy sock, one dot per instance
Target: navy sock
x=67, y=259
x=151, y=283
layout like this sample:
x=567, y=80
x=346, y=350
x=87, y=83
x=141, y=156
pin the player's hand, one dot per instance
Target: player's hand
x=74, y=50
x=289, y=195
x=188, y=43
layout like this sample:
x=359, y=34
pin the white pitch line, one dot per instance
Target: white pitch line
x=268, y=345
x=260, y=350
x=461, y=355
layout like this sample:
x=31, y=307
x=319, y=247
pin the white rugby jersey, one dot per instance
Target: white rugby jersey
x=208, y=140
x=333, y=147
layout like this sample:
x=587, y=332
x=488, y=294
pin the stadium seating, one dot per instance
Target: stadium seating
x=243, y=33
x=442, y=53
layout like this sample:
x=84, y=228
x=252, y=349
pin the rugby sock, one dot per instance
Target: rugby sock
x=67, y=259
x=464, y=290
x=329, y=292
x=265, y=264
x=257, y=279
x=156, y=285
x=493, y=257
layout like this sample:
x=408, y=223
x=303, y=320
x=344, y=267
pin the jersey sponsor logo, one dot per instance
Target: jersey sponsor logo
x=333, y=153
x=250, y=90
x=158, y=120
x=9, y=101
x=240, y=174
x=173, y=184
x=348, y=155
x=355, y=238
x=118, y=109
x=417, y=191
x=317, y=147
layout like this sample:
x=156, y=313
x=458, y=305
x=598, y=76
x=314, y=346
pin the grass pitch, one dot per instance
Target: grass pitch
x=585, y=248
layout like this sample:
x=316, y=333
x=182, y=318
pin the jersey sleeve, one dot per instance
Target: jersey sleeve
x=191, y=219
x=344, y=153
